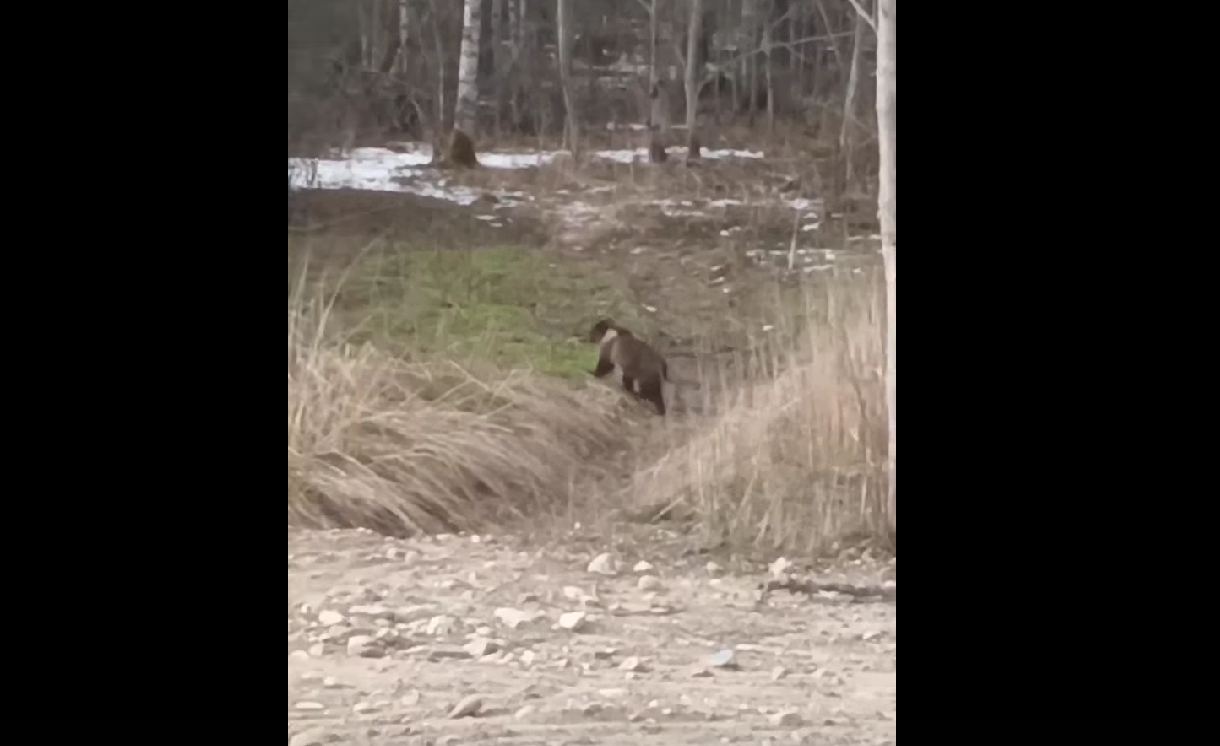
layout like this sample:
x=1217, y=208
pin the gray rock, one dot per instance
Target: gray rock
x=372, y=610
x=443, y=652
x=525, y=711
x=468, y=707
x=649, y=583
x=313, y=737
x=512, y=618
x=364, y=646
x=604, y=564
x=786, y=719
x=573, y=620
x=480, y=646
x=407, y=614
x=440, y=625
x=633, y=663
x=308, y=706
x=723, y=659
x=330, y=617
x=410, y=699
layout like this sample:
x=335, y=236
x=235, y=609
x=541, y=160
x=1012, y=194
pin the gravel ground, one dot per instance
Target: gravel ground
x=459, y=640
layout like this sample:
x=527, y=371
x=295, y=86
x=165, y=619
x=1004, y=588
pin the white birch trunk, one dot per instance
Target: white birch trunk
x=887, y=108
x=465, y=114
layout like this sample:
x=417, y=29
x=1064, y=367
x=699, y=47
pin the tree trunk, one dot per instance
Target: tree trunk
x=694, y=67
x=366, y=42
x=887, y=108
x=796, y=57
x=438, y=42
x=754, y=60
x=376, y=32
x=658, y=119
x=518, y=24
x=847, y=126
x=404, y=35
x=767, y=51
x=501, y=60
x=652, y=46
x=563, y=25
x=465, y=113
x=745, y=51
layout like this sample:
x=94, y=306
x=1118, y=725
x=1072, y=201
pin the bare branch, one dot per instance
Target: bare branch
x=864, y=14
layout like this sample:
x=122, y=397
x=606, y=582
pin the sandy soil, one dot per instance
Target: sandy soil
x=459, y=640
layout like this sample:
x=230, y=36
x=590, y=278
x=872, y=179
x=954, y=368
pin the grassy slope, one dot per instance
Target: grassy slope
x=434, y=423
x=514, y=307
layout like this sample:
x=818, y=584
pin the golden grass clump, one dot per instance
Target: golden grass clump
x=794, y=463
x=432, y=447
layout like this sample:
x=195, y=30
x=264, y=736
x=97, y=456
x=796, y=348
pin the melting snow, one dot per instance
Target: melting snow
x=385, y=170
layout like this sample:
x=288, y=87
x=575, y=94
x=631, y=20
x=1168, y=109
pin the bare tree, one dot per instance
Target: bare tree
x=694, y=73
x=438, y=43
x=789, y=56
x=847, y=127
x=658, y=110
x=746, y=45
x=563, y=24
x=768, y=45
x=404, y=36
x=887, y=106
x=466, y=108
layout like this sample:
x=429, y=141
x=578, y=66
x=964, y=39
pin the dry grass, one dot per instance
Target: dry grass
x=432, y=447
x=790, y=457
x=794, y=462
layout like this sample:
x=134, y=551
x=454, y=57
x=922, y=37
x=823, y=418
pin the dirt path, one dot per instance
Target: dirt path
x=387, y=637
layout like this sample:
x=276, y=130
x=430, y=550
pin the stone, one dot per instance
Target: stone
x=722, y=659
x=785, y=719
x=649, y=583
x=572, y=620
x=468, y=707
x=604, y=564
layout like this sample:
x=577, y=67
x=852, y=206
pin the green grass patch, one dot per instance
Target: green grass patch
x=515, y=307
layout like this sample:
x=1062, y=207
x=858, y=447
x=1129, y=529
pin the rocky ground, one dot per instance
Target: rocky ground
x=458, y=640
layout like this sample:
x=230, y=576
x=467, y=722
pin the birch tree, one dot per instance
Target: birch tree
x=887, y=104
x=465, y=113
